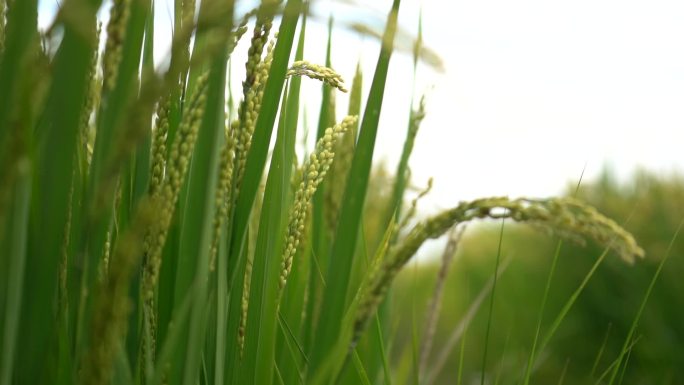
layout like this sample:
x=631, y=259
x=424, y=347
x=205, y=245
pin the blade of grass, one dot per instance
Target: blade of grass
x=173, y=340
x=503, y=355
x=279, y=376
x=142, y=155
x=112, y=147
x=600, y=352
x=564, y=372
x=395, y=203
x=383, y=354
x=547, y=289
x=260, y=339
x=199, y=211
x=333, y=368
x=624, y=366
x=459, y=331
x=491, y=304
x=326, y=118
x=432, y=314
x=221, y=313
x=637, y=317
x=615, y=363
x=461, y=353
x=70, y=67
x=346, y=236
x=287, y=331
x=293, y=300
x=287, y=337
x=571, y=301
x=18, y=235
x=256, y=159
x=358, y=365
x=21, y=30
x=112, y=155
x=415, y=349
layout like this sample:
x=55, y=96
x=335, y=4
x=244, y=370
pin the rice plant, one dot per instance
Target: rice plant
x=149, y=236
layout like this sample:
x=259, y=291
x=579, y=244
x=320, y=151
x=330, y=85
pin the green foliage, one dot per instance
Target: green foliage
x=148, y=239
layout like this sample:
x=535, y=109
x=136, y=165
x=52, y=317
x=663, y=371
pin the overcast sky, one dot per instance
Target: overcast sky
x=531, y=92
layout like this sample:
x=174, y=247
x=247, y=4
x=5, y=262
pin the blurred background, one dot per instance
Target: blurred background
x=524, y=98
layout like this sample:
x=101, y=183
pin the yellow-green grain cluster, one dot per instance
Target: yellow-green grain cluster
x=339, y=171
x=177, y=166
x=244, y=302
x=564, y=216
x=313, y=172
x=223, y=201
x=113, y=305
x=91, y=102
x=241, y=28
x=165, y=199
x=104, y=263
x=158, y=156
x=116, y=33
x=315, y=169
x=318, y=72
x=254, y=93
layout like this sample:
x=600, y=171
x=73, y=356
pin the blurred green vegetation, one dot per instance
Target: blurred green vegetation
x=650, y=207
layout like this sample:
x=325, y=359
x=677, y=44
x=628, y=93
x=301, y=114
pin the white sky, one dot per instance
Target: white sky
x=532, y=90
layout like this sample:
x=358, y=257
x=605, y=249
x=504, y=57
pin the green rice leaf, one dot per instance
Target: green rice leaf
x=198, y=218
x=256, y=159
x=262, y=315
x=16, y=239
x=346, y=236
x=51, y=205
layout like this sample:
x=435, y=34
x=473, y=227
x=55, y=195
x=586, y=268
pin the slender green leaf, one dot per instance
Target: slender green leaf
x=50, y=212
x=630, y=335
x=260, y=340
x=22, y=20
x=294, y=294
x=326, y=118
x=256, y=159
x=18, y=235
x=199, y=212
x=346, y=236
x=491, y=304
